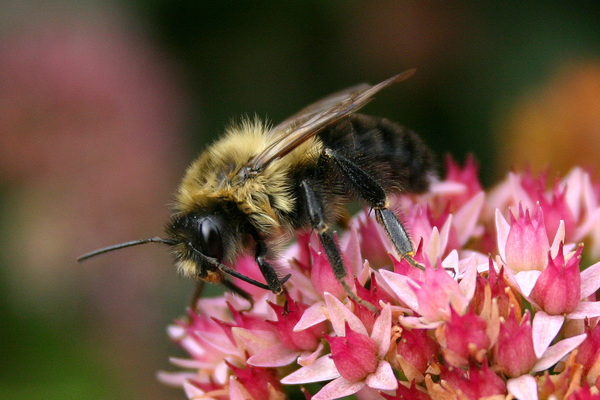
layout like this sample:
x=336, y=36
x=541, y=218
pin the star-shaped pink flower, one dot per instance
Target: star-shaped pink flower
x=351, y=371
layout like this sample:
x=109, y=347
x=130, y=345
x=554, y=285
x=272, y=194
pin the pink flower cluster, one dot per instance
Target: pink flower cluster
x=507, y=306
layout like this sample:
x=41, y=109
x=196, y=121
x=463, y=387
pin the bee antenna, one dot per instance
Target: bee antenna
x=126, y=244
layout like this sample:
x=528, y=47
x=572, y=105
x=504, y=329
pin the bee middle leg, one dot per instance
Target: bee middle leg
x=318, y=223
x=374, y=194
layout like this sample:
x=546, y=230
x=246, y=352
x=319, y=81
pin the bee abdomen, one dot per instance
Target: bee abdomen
x=393, y=155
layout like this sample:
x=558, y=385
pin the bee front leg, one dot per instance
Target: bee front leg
x=318, y=223
x=273, y=282
x=372, y=192
x=240, y=292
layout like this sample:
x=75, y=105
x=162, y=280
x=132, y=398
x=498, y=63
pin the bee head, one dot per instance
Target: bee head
x=201, y=240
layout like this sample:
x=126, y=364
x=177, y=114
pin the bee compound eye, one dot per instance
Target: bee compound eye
x=211, y=242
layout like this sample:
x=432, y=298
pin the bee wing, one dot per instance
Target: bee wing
x=317, y=107
x=313, y=119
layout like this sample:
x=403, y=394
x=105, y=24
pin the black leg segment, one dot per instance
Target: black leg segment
x=240, y=292
x=317, y=220
x=314, y=207
x=273, y=282
x=397, y=234
x=394, y=229
x=372, y=192
x=228, y=284
x=367, y=187
x=243, y=277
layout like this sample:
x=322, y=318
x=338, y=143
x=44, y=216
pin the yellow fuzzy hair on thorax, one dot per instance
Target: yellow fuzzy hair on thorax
x=214, y=177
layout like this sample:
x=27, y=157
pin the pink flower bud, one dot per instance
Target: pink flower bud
x=465, y=336
x=589, y=351
x=475, y=383
x=467, y=175
x=555, y=210
x=499, y=291
x=514, y=351
x=355, y=355
x=418, y=348
x=373, y=296
x=558, y=289
x=437, y=293
x=260, y=383
x=287, y=317
x=527, y=243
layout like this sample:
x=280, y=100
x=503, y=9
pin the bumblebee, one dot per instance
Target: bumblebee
x=257, y=185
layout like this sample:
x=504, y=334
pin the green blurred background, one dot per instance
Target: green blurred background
x=103, y=105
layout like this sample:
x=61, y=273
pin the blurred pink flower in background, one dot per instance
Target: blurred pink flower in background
x=90, y=150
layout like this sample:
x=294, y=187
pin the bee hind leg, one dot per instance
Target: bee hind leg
x=317, y=220
x=372, y=192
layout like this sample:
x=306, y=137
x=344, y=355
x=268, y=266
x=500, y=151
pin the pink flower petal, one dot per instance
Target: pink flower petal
x=447, y=188
x=558, y=351
x=526, y=281
x=468, y=282
x=502, y=228
x=236, y=390
x=192, y=392
x=544, y=329
x=523, y=387
x=254, y=341
x=175, y=378
x=402, y=287
x=323, y=369
x=307, y=358
x=445, y=234
x=365, y=273
x=435, y=244
x=452, y=263
x=508, y=274
x=337, y=388
x=585, y=309
x=187, y=363
x=366, y=393
x=590, y=280
x=418, y=323
x=383, y=378
x=589, y=196
x=382, y=331
x=352, y=251
x=216, y=340
x=276, y=355
x=312, y=315
x=575, y=182
x=302, y=284
x=467, y=217
x=558, y=239
x=589, y=225
x=339, y=314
